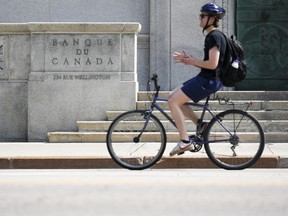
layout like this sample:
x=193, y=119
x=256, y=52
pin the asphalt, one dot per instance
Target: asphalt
x=41, y=155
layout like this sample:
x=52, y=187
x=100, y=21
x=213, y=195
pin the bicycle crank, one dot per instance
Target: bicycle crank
x=198, y=146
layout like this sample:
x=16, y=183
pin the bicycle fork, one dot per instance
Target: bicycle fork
x=147, y=116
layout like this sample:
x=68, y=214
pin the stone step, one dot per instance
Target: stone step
x=260, y=115
x=234, y=95
x=102, y=126
x=269, y=107
x=214, y=105
x=94, y=137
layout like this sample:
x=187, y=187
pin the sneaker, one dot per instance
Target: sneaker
x=181, y=147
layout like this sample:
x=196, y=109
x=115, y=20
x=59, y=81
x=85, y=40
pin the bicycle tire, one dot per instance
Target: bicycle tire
x=126, y=149
x=238, y=150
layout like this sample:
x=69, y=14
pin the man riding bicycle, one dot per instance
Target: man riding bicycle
x=206, y=82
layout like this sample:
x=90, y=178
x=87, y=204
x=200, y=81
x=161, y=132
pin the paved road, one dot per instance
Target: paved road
x=150, y=192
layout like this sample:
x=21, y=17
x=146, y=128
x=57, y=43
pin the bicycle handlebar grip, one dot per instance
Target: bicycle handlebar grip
x=155, y=79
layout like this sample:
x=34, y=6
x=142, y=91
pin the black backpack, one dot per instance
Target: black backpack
x=228, y=74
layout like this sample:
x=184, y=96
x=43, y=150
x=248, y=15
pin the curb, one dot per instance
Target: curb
x=108, y=163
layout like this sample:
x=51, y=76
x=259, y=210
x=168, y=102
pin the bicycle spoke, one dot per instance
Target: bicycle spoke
x=135, y=143
x=239, y=150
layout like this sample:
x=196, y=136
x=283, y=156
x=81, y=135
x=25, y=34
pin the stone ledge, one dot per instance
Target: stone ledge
x=4, y=163
x=15, y=28
x=85, y=27
x=70, y=27
x=107, y=163
x=204, y=162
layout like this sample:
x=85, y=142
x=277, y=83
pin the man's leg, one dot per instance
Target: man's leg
x=175, y=101
x=189, y=113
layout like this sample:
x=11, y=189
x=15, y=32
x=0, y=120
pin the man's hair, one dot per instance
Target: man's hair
x=216, y=22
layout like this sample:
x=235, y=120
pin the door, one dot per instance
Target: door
x=262, y=29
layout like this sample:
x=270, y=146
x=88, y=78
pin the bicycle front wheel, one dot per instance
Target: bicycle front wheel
x=235, y=141
x=136, y=141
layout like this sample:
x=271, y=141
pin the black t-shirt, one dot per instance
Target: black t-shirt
x=214, y=38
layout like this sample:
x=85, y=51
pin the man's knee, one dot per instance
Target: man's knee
x=170, y=100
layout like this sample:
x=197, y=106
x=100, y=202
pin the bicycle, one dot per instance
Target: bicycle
x=233, y=139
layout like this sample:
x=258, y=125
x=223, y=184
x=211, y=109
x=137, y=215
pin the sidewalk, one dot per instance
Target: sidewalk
x=38, y=155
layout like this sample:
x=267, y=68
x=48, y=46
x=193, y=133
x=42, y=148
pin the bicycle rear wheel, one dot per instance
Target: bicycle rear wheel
x=135, y=142
x=238, y=144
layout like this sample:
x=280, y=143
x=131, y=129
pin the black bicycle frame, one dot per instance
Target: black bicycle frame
x=205, y=108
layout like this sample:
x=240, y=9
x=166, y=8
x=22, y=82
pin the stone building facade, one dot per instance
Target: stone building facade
x=166, y=26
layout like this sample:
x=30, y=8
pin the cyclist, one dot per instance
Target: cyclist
x=206, y=82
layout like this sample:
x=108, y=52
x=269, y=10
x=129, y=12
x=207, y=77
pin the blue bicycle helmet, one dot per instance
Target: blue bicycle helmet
x=213, y=10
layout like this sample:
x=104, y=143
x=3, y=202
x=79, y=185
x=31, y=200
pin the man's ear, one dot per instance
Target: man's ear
x=212, y=20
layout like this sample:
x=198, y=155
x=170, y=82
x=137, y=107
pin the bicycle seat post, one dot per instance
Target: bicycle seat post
x=207, y=100
x=200, y=120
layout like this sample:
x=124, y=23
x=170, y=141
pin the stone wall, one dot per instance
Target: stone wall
x=167, y=25
x=57, y=73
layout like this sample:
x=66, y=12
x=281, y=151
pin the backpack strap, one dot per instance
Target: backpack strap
x=233, y=40
x=230, y=40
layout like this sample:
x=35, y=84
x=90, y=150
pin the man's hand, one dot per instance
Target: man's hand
x=183, y=58
x=179, y=57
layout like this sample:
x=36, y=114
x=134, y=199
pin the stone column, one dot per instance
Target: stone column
x=78, y=72
x=160, y=51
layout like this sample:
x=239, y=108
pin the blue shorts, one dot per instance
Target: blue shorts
x=200, y=87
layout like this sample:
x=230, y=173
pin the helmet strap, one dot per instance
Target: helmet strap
x=207, y=25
